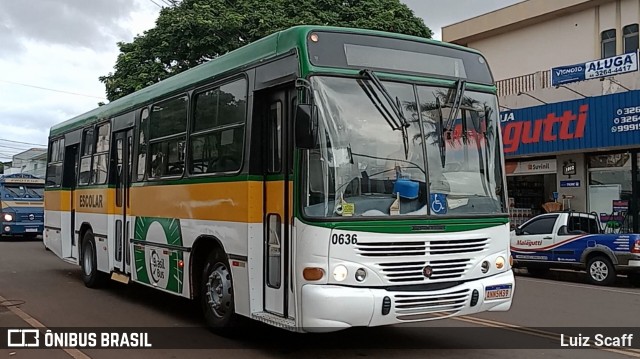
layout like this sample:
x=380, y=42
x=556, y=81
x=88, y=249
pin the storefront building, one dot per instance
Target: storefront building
x=568, y=80
x=581, y=154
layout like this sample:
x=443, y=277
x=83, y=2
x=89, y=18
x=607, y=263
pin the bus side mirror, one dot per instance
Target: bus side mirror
x=519, y=231
x=306, y=126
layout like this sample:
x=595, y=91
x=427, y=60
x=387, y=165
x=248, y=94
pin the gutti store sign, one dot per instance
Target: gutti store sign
x=603, y=121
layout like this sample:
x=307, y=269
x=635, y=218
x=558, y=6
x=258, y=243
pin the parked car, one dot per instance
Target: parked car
x=575, y=240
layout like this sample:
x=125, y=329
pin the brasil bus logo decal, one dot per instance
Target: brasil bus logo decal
x=155, y=265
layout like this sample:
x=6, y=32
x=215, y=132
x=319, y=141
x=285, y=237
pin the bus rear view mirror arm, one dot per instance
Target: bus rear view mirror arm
x=306, y=126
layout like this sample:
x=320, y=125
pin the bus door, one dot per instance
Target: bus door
x=122, y=156
x=68, y=225
x=277, y=207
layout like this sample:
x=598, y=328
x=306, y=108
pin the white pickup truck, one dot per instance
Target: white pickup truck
x=575, y=240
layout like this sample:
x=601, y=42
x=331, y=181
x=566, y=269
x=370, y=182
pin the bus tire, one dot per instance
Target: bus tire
x=91, y=277
x=216, y=293
x=600, y=271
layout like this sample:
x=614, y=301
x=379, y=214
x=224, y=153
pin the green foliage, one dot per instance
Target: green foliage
x=196, y=31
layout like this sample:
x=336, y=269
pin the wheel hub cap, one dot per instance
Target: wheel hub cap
x=599, y=271
x=219, y=290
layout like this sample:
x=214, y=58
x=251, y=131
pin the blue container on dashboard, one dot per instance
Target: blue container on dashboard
x=406, y=188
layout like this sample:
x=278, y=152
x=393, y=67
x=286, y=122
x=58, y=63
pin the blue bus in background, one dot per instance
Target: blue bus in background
x=22, y=203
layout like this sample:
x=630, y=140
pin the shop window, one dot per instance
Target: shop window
x=630, y=38
x=608, y=41
x=610, y=179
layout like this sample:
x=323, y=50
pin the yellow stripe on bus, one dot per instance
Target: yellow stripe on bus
x=57, y=201
x=221, y=201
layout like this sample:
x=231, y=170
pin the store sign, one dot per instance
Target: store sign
x=594, y=69
x=569, y=168
x=611, y=66
x=531, y=167
x=620, y=205
x=589, y=123
x=570, y=184
x=566, y=74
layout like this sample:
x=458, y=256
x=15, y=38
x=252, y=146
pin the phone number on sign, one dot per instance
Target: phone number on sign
x=598, y=73
x=625, y=128
x=626, y=119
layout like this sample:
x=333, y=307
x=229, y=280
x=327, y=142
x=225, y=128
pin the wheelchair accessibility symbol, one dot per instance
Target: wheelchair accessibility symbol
x=438, y=203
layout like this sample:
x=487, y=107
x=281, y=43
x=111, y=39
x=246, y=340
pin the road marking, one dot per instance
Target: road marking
x=579, y=286
x=630, y=352
x=74, y=353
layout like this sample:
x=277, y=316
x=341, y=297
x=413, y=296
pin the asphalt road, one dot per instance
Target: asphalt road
x=39, y=290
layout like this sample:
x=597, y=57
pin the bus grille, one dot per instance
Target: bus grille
x=412, y=271
x=24, y=217
x=429, y=306
x=420, y=248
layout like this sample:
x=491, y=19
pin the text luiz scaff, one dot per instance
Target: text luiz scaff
x=597, y=340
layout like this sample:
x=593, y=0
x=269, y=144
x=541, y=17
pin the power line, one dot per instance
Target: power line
x=16, y=148
x=156, y=4
x=50, y=89
x=26, y=143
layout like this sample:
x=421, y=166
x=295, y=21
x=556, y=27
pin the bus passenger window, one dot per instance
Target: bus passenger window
x=168, y=124
x=219, y=118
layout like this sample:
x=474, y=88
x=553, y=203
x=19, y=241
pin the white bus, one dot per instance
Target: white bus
x=318, y=179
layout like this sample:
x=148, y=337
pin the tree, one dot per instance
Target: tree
x=195, y=31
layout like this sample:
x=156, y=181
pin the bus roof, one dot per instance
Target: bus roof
x=268, y=47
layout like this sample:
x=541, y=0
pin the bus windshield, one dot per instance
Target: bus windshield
x=372, y=161
x=23, y=191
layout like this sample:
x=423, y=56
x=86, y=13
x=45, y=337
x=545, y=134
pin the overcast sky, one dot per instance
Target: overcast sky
x=65, y=45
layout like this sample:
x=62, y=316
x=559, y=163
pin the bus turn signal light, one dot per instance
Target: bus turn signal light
x=313, y=273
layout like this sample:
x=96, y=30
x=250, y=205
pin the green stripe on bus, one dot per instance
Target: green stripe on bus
x=413, y=226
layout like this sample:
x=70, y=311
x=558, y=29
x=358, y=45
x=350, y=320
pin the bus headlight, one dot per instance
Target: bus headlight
x=485, y=266
x=361, y=274
x=340, y=273
x=8, y=217
x=500, y=262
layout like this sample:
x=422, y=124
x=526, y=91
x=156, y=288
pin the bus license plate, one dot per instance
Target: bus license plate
x=497, y=292
x=31, y=230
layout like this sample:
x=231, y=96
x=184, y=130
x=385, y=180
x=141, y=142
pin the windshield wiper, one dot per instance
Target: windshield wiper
x=395, y=106
x=441, y=143
x=457, y=101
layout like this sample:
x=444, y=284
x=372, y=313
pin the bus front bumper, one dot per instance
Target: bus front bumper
x=327, y=308
x=16, y=228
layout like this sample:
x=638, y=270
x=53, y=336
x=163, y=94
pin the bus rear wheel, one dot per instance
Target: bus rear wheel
x=216, y=293
x=91, y=277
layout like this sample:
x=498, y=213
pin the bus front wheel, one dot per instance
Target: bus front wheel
x=216, y=292
x=91, y=277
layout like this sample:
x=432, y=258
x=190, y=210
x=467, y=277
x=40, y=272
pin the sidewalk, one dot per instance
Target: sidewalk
x=9, y=320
